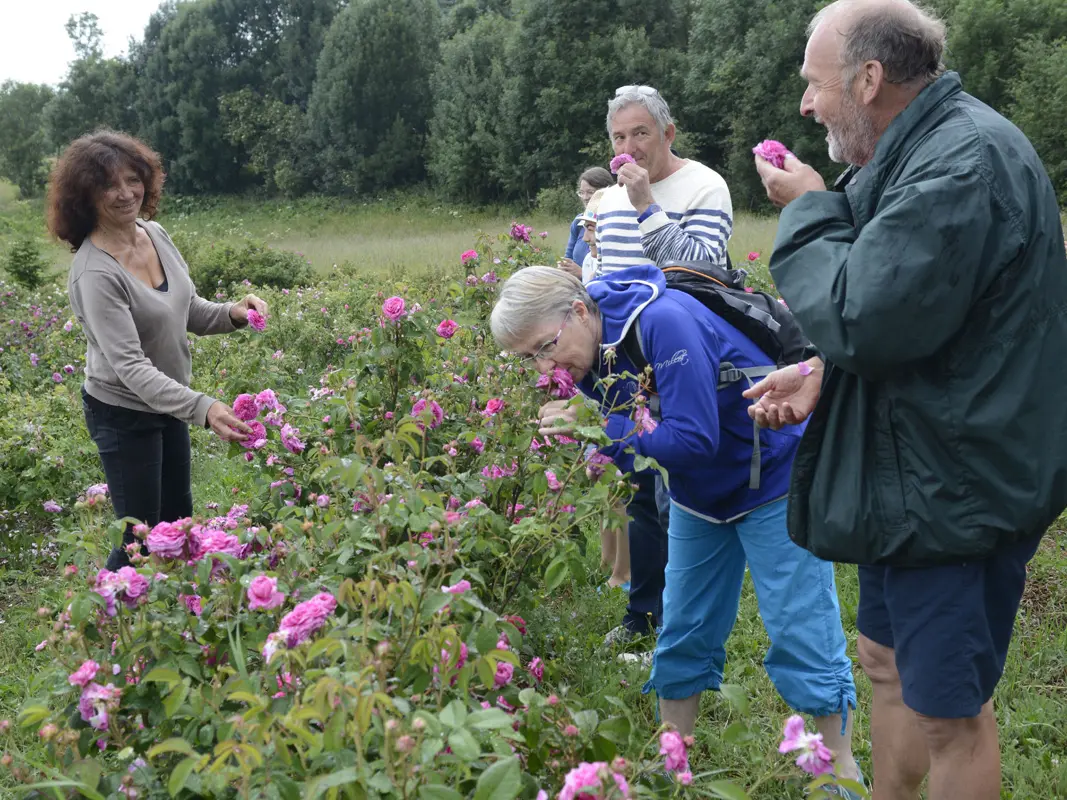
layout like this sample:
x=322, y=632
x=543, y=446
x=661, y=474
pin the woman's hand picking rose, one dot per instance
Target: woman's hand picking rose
x=239, y=310
x=225, y=424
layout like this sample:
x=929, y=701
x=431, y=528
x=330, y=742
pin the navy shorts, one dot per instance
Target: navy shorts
x=949, y=626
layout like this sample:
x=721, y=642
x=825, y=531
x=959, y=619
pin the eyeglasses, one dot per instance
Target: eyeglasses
x=544, y=350
x=585, y=195
x=635, y=88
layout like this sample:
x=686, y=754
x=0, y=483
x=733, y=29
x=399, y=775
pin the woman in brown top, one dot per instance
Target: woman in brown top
x=131, y=291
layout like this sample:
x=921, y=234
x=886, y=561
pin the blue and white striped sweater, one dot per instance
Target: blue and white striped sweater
x=695, y=224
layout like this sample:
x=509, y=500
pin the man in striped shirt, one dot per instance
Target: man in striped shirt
x=664, y=208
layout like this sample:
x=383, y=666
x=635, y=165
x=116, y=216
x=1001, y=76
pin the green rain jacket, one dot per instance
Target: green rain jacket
x=934, y=286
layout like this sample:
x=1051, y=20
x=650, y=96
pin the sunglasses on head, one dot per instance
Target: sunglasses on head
x=635, y=88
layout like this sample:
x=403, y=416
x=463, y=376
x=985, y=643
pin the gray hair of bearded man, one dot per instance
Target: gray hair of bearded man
x=904, y=38
x=531, y=297
x=646, y=97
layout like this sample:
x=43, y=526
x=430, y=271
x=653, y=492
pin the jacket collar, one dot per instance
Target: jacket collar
x=909, y=125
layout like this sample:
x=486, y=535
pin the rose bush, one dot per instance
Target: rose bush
x=354, y=624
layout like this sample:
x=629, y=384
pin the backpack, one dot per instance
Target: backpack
x=761, y=318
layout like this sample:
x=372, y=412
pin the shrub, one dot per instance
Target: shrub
x=24, y=263
x=559, y=201
x=225, y=265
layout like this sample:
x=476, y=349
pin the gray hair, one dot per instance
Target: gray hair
x=646, y=97
x=530, y=297
x=907, y=40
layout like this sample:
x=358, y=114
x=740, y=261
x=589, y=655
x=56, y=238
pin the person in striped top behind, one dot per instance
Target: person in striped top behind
x=664, y=208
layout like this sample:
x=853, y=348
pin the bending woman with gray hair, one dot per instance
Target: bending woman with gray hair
x=704, y=439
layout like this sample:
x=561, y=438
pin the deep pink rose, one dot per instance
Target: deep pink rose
x=257, y=438
x=263, y=593
x=256, y=321
x=298, y=625
x=772, y=151
x=167, y=540
x=619, y=160
x=393, y=308
x=447, y=329
x=244, y=407
x=84, y=674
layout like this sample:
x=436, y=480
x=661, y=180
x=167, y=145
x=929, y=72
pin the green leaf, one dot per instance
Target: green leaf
x=726, y=790
x=435, y=792
x=487, y=671
x=486, y=639
x=31, y=715
x=175, y=699
x=161, y=675
x=735, y=696
x=319, y=785
x=855, y=787
x=488, y=719
x=172, y=745
x=555, y=573
x=454, y=714
x=87, y=791
x=180, y=775
x=529, y=697
x=737, y=733
x=80, y=608
x=434, y=602
x=464, y=745
x=615, y=729
x=586, y=720
x=502, y=781
x=333, y=734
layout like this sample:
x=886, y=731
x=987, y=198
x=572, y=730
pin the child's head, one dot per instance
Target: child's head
x=588, y=221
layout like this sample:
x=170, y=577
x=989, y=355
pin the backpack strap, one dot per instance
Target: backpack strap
x=729, y=374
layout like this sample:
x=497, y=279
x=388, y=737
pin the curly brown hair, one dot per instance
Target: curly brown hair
x=84, y=171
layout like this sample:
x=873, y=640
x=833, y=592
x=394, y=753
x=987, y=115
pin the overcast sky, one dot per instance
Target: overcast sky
x=33, y=42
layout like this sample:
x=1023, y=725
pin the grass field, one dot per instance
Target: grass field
x=412, y=235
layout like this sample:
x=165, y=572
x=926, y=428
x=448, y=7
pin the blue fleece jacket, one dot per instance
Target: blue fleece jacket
x=705, y=436
x=577, y=249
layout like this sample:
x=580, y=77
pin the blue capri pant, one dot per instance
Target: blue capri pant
x=807, y=660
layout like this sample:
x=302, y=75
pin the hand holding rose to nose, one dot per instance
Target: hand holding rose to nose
x=638, y=188
x=794, y=179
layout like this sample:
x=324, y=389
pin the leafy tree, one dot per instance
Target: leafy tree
x=23, y=144
x=468, y=157
x=371, y=104
x=1040, y=105
x=984, y=38
x=275, y=137
x=744, y=86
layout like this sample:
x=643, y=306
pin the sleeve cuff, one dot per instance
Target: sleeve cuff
x=200, y=411
x=654, y=222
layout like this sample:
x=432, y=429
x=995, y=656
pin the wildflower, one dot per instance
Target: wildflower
x=263, y=593
x=559, y=383
x=504, y=673
x=447, y=329
x=297, y=626
x=97, y=702
x=435, y=411
x=291, y=439
x=537, y=669
x=619, y=160
x=167, y=540
x=459, y=588
x=468, y=257
x=772, y=151
x=672, y=746
x=393, y=308
x=256, y=321
x=84, y=674
x=245, y=407
x=815, y=757
x=754, y=255
x=51, y=506
x=192, y=602
x=645, y=423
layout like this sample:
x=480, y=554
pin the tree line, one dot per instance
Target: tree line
x=486, y=100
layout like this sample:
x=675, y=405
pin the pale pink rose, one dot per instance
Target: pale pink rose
x=263, y=593
x=84, y=674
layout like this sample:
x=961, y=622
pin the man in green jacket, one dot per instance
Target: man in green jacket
x=932, y=284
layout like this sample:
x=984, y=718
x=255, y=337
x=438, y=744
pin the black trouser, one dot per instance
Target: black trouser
x=649, y=512
x=147, y=462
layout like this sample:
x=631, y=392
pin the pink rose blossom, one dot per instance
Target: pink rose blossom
x=84, y=674
x=97, y=702
x=645, y=423
x=393, y=308
x=493, y=406
x=815, y=757
x=263, y=594
x=504, y=673
x=192, y=602
x=559, y=383
x=553, y=482
x=447, y=329
x=257, y=438
x=291, y=439
x=216, y=541
x=468, y=257
x=167, y=540
x=537, y=669
x=754, y=256
x=619, y=160
x=520, y=232
x=51, y=506
x=68, y=326
x=592, y=781
x=266, y=400
x=772, y=151
x=297, y=626
x=477, y=445
x=435, y=411
x=459, y=588
x=256, y=321
x=672, y=746
x=245, y=408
